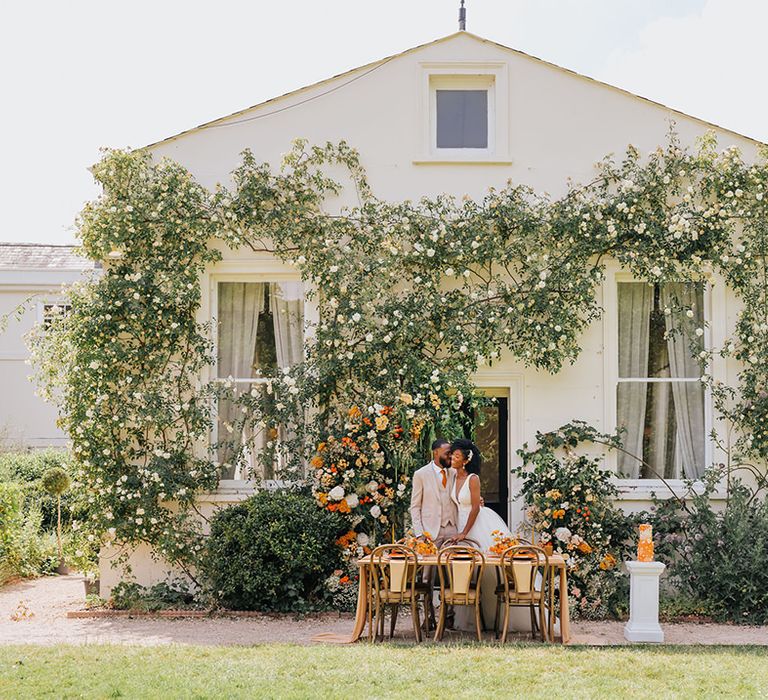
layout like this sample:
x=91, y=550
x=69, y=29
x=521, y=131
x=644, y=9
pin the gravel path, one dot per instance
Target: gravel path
x=34, y=612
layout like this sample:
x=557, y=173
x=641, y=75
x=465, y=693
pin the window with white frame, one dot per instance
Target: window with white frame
x=462, y=110
x=260, y=330
x=660, y=400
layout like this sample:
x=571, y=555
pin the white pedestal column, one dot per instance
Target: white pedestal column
x=643, y=625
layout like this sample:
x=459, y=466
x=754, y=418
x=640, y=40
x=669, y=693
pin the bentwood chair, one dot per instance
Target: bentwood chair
x=460, y=570
x=393, y=582
x=518, y=571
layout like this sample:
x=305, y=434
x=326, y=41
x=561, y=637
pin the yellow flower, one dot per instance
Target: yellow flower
x=407, y=399
x=382, y=422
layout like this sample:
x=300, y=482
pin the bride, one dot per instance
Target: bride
x=477, y=524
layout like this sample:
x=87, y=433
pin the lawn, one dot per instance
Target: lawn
x=363, y=671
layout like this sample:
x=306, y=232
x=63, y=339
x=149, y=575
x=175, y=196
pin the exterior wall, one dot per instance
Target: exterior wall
x=557, y=126
x=25, y=419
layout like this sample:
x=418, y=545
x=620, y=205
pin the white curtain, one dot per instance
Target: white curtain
x=635, y=300
x=688, y=397
x=287, y=305
x=240, y=305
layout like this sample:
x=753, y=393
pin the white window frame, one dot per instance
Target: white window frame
x=464, y=76
x=260, y=270
x=641, y=489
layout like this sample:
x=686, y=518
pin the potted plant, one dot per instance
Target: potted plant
x=56, y=482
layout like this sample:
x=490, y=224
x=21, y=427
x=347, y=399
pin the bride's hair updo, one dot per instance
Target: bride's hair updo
x=470, y=451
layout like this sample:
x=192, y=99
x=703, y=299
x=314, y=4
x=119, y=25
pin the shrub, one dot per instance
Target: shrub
x=272, y=553
x=24, y=549
x=718, y=558
x=166, y=595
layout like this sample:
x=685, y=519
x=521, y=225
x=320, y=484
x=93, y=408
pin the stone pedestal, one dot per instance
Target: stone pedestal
x=643, y=625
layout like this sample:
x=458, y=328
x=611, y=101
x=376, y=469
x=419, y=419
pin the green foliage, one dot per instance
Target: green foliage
x=272, y=552
x=416, y=296
x=166, y=595
x=717, y=557
x=570, y=501
x=55, y=481
x=25, y=550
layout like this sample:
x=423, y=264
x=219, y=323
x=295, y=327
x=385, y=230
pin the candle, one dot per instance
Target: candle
x=645, y=543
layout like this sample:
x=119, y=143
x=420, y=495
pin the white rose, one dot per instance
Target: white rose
x=336, y=493
x=352, y=500
x=363, y=539
x=372, y=486
x=375, y=511
x=563, y=534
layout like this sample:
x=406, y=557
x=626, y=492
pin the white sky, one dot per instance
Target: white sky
x=78, y=75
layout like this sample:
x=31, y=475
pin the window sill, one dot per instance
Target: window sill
x=454, y=160
x=645, y=489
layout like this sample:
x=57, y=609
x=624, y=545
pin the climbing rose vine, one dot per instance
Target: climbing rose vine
x=412, y=298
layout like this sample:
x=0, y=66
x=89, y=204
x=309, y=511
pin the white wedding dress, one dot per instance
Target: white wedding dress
x=485, y=524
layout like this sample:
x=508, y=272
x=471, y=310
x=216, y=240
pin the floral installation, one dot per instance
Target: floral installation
x=424, y=546
x=515, y=272
x=570, y=502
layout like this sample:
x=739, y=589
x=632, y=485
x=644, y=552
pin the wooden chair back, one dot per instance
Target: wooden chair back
x=393, y=570
x=519, y=565
x=460, y=570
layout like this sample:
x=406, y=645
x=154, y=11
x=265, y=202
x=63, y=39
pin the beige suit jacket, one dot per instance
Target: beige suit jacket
x=426, y=506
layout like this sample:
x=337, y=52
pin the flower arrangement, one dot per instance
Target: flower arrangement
x=342, y=589
x=501, y=542
x=363, y=471
x=424, y=546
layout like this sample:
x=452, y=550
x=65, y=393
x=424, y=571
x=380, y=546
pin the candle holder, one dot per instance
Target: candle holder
x=645, y=543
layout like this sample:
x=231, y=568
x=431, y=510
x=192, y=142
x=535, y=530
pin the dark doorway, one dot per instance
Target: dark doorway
x=492, y=431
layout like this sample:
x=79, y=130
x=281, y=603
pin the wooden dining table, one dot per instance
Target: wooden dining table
x=556, y=562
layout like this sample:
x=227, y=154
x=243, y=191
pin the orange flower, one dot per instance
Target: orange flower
x=608, y=562
x=317, y=462
x=584, y=548
x=343, y=507
x=320, y=446
x=322, y=498
x=344, y=579
x=556, y=514
x=354, y=412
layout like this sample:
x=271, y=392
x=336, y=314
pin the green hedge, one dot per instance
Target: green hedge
x=272, y=553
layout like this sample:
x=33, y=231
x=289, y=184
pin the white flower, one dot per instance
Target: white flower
x=375, y=511
x=336, y=493
x=699, y=332
x=563, y=534
x=356, y=317
x=352, y=500
x=363, y=539
x=372, y=486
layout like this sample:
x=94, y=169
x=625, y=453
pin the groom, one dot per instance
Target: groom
x=432, y=508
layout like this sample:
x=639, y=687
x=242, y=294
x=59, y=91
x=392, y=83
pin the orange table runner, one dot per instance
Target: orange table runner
x=361, y=617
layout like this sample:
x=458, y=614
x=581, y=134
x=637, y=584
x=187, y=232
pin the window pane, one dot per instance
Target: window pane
x=664, y=427
x=261, y=327
x=462, y=118
x=646, y=346
x=487, y=440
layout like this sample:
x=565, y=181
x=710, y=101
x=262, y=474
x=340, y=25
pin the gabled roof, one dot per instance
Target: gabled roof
x=368, y=68
x=39, y=256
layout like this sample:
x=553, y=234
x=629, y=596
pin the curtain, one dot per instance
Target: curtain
x=688, y=396
x=287, y=304
x=239, y=307
x=635, y=300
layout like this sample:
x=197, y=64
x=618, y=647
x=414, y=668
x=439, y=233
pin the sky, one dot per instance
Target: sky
x=81, y=75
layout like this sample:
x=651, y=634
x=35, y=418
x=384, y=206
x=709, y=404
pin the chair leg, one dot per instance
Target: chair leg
x=506, y=623
x=496, y=618
x=382, y=620
x=482, y=617
x=533, y=621
x=393, y=620
x=440, y=624
x=478, y=625
x=416, y=621
x=542, y=621
x=427, y=611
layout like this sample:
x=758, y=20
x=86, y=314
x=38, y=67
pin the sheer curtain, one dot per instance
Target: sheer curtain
x=240, y=305
x=688, y=396
x=635, y=301
x=287, y=303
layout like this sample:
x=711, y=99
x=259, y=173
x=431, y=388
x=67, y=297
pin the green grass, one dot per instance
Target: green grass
x=363, y=671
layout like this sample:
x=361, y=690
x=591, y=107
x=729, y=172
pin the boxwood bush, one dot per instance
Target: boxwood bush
x=272, y=552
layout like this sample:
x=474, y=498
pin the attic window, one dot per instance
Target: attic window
x=462, y=118
x=462, y=115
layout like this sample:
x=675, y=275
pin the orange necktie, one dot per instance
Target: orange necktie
x=445, y=478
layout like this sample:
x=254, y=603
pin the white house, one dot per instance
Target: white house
x=31, y=280
x=459, y=115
